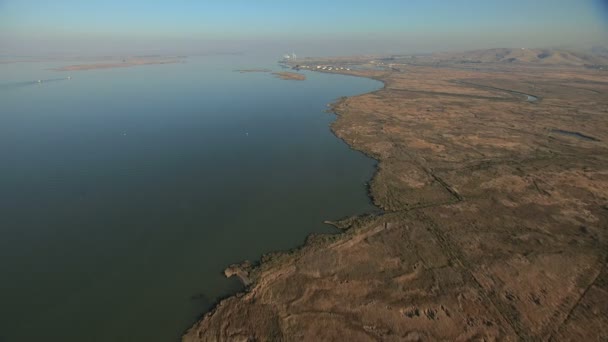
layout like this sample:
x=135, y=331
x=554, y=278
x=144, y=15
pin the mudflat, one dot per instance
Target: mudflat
x=118, y=64
x=290, y=76
x=245, y=71
x=493, y=179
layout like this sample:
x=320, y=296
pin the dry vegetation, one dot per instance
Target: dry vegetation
x=495, y=223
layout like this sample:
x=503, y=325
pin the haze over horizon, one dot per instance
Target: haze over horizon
x=312, y=28
x=253, y=170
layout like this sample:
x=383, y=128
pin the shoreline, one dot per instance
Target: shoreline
x=456, y=272
x=289, y=76
x=248, y=272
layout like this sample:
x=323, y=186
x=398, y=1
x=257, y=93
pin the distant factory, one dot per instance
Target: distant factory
x=325, y=67
x=290, y=57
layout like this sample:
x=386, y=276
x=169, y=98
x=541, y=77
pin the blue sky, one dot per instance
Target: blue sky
x=430, y=23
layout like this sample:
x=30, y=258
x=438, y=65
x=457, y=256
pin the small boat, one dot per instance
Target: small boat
x=39, y=81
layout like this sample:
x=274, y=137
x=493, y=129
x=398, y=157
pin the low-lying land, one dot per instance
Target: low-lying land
x=124, y=63
x=290, y=76
x=245, y=71
x=495, y=221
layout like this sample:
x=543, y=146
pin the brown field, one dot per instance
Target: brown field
x=495, y=223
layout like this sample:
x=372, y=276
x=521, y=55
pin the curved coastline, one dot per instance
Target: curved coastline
x=434, y=265
x=286, y=131
x=248, y=273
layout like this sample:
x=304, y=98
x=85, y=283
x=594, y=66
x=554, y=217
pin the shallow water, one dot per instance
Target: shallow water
x=125, y=192
x=531, y=98
x=575, y=134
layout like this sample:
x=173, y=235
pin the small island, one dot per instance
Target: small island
x=290, y=76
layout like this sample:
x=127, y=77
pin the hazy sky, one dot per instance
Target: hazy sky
x=188, y=26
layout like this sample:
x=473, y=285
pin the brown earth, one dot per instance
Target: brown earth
x=495, y=223
x=290, y=76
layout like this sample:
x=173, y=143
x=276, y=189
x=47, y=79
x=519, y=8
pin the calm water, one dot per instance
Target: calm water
x=124, y=193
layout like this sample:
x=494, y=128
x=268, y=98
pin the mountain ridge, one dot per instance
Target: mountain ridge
x=525, y=55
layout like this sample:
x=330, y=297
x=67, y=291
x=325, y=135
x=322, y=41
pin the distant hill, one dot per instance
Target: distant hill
x=523, y=55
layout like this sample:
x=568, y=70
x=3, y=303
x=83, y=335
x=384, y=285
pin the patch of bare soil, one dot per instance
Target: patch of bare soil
x=285, y=75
